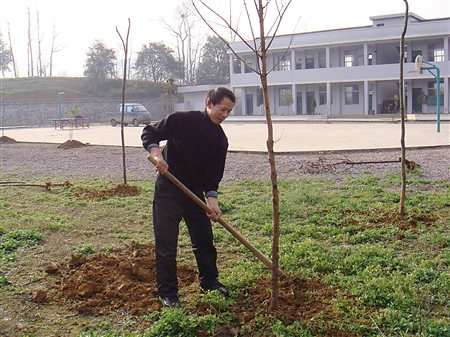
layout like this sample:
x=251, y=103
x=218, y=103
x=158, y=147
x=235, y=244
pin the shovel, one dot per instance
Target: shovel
x=227, y=226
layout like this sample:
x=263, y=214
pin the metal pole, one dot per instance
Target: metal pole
x=438, y=93
x=438, y=99
x=59, y=109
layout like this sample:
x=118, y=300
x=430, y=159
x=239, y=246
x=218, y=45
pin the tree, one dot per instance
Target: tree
x=100, y=61
x=214, y=67
x=260, y=47
x=402, y=111
x=125, y=50
x=5, y=57
x=156, y=62
x=40, y=70
x=11, y=51
x=55, y=49
x=188, y=41
x=169, y=98
x=30, y=47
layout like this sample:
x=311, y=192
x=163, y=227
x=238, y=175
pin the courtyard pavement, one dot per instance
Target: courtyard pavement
x=290, y=135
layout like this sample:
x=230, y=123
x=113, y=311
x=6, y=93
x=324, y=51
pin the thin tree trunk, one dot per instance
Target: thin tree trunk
x=125, y=47
x=30, y=47
x=401, y=210
x=273, y=168
x=12, y=54
x=39, y=40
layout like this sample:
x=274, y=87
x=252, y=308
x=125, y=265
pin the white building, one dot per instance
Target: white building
x=351, y=71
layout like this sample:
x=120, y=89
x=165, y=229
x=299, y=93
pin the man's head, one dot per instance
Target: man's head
x=219, y=103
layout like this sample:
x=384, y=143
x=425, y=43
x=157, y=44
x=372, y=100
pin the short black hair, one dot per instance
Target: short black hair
x=216, y=95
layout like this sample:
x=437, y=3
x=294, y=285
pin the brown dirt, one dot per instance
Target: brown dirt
x=71, y=144
x=7, y=140
x=101, y=284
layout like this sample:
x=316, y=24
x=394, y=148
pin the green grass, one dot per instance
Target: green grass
x=42, y=87
x=344, y=234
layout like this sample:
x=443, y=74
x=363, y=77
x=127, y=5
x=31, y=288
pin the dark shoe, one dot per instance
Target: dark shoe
x=220, y=288
x=169, y=302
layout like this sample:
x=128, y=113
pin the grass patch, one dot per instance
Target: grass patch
x=376, y=273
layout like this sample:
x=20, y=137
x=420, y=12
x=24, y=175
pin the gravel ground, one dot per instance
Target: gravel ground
x=38, y=161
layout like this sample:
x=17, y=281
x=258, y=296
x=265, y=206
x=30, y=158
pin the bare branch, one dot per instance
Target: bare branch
x=222, y=19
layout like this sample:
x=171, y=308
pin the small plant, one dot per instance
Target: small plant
x=86, y=250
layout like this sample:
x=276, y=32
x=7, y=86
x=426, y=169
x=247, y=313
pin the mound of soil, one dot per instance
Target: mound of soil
x=126, y=280
x=7, y=140
x=71, y=144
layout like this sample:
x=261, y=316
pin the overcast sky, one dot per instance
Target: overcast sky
x=80, y=22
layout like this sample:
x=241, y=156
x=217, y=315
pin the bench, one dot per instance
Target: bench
x=71, y=122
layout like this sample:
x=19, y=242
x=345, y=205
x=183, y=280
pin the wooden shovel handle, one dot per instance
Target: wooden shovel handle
x=227, y=226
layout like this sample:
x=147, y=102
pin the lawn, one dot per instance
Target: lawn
x=78, y=260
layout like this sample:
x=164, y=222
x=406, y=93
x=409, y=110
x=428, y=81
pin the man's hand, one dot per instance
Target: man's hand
x=161, y=165
x=214, y=205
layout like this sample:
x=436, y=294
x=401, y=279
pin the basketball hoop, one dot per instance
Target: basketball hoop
x=419, y=64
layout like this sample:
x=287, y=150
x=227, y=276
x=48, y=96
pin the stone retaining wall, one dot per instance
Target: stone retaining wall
x=41, y=112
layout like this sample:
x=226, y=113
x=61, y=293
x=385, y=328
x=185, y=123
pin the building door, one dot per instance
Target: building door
x=299, y=104
x=249, y=104
x=417, y=104
x=310, y=103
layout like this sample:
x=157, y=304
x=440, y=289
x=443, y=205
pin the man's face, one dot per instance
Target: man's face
x=219, y=112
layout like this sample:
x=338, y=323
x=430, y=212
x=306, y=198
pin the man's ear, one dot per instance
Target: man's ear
x=208, y=103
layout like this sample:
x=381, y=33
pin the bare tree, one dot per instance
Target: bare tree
x=260, y=46
x=55, y=49
x=30, y=47
x=39, y=69
x=188, y=41
x=402, y=111
x=125, y=49
x=12, y=53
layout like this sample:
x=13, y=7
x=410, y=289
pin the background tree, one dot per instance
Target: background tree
x=30, y=47
x=189, y=40
x=12, y=53
x=5, y=56
x=55, y=49
x=260, y=46
x=40, y=69
x=100, y=61
x=156, y=62
x=214, y=67
x=169, y=98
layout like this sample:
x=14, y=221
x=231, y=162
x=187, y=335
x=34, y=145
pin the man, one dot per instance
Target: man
x=195, y=153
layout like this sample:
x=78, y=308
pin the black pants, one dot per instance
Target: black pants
x=170, y=205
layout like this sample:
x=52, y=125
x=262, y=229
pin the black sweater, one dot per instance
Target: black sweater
x=195, y=151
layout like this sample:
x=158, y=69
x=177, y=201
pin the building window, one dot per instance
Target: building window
x=322, y=60
x=284, y=63
x=322, y=94
x=285, y=96
x=414, y=55
x=350, y=58
x=432, y=88
x=431, y=99
x=310, y=63
x=236, y=65
x=351, y=94
x=436, y=52
x=298, y=63
x=247, y=68
x=259, y=97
